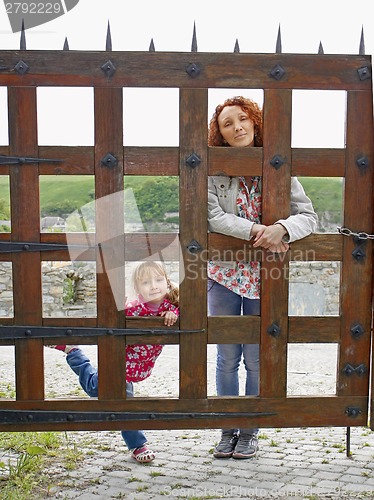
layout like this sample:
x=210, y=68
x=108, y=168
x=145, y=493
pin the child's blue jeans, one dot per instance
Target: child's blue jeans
x=88, y=379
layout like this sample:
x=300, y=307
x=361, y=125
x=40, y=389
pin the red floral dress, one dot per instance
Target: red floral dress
x=242, y=278
x=140, y=359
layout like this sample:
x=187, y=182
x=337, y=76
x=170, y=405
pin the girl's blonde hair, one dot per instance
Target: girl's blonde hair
x=145, y=269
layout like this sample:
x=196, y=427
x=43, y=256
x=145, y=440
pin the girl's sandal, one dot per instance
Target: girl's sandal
x=143, y=454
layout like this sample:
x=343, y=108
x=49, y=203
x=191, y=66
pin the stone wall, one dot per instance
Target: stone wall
x=69, y=289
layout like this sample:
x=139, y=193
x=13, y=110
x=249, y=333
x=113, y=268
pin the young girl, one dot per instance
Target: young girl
x=156, y=296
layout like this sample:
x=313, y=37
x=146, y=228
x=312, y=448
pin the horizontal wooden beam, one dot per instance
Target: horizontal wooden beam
x=170, y=69
x=315, y=411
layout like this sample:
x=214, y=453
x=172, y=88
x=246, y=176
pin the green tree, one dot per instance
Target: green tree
x=156, y=196
x=60, y=208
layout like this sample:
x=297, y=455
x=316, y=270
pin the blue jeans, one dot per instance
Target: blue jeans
x=224, y=302
x=88, y=379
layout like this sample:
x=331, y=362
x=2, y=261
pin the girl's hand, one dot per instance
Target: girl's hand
x=170, y=317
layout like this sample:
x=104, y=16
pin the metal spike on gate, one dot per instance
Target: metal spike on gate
x=152, y=46
x=22, y=44
x=108, y=45
x=194, y=39
x=66, y=44
x=278, y=47
x=320, y=48
x=361, y=50
x=236, y=48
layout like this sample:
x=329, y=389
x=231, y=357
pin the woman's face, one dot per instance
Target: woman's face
x=235, y=126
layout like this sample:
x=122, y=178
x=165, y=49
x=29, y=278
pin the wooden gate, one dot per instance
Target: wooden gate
x=108, y=72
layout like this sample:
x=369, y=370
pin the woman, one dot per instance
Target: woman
x=234, y=208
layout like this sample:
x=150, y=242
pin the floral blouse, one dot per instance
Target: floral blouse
x=244, y=277
x=140, y=359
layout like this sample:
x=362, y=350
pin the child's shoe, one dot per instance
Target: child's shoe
x=143, y=454
x=64, y=348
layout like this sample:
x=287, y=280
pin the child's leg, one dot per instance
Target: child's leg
x=88, y=379
x=87, y=374
x=133, y=439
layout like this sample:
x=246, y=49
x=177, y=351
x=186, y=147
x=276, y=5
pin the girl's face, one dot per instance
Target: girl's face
x=152, y=287
x=235, y=127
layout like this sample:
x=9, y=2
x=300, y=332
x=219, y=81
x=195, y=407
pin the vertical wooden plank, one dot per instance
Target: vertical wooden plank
x=356, y=280
x=371, y=395
x=371, y=386
x=275, y=205
x=109, y=233
x=25, y=214
x=193, y=227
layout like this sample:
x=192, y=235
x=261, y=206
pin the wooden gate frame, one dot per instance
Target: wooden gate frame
x=193, y=73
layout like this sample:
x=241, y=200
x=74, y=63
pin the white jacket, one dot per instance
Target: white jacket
x=223, y=211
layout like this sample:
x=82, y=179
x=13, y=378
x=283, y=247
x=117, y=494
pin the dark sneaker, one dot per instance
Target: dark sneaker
x=226, y=446
x=246, y=447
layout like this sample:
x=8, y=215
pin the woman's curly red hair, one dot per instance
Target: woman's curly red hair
x=251, y=108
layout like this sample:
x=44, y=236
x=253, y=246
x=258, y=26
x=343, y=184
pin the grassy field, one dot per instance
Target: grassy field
x=325, y=193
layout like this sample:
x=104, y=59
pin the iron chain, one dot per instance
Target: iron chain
x=345, y=231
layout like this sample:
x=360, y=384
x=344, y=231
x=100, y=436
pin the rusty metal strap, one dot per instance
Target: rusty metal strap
x=29, y=417
x=29, y=246
x=22, y=160
x=50, y=332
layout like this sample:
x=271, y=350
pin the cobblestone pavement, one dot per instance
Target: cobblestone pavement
x=308, y=463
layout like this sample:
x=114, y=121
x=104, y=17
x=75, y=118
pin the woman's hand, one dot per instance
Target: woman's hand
x=270, y=237
x=257, y=228
x=170, y=317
